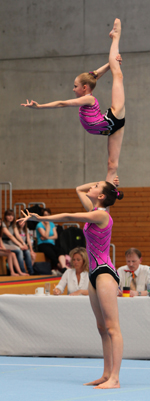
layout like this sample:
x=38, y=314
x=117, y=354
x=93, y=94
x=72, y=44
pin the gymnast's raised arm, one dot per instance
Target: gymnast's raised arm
x=106, y=67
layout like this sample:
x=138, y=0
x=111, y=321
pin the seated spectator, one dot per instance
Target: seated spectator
x=13, y=241
x=24, y=233
x=134, y=274
x=46, y=235
x=11, y=257
x=76, y=278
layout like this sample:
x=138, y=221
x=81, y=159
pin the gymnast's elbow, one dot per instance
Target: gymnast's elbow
x=68, y=103
x=63, y=103
x=69, y=217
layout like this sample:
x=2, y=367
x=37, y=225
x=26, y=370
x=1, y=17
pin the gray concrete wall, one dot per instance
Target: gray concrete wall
x=43, y=47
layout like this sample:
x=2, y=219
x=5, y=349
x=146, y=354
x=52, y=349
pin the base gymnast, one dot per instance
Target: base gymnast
x=112, y=122
x=104, y=279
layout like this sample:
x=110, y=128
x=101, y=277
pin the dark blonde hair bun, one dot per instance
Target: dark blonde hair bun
x=94, y=74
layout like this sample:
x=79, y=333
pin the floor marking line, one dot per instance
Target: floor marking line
x=69, y=366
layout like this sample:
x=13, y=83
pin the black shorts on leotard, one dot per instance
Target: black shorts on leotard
x=101, y=270
x=114, y=123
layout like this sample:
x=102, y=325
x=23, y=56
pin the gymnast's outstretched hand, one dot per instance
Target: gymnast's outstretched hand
x=27, y=216
x=32, y=104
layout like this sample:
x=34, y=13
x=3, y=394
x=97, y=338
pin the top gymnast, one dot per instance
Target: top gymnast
x=112, y=122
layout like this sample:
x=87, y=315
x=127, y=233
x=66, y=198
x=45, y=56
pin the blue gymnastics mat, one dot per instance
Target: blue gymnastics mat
x=61, y=379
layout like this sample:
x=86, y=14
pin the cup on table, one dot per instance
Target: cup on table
x=39, y=291
x=126, y=292
x=47, y=288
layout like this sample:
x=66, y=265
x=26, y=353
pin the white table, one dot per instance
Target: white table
x=65, y=326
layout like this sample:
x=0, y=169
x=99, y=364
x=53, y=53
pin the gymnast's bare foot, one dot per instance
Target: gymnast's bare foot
x=102, y=379
x=111, y=383
x=116, y=31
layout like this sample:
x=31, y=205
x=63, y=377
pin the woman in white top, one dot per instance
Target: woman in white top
x=76, y=278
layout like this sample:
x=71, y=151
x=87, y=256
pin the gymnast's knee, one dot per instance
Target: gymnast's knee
x=118, y=74
x=113, y=328
x=101, y=328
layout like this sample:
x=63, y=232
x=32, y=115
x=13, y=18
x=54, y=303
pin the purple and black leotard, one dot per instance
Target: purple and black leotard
x=98, y=246
x=96, y=123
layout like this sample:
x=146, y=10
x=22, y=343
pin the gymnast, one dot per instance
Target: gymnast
x=112, y=122
x=103, y=277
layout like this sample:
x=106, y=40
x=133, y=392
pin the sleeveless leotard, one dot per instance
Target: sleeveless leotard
x=96, y=123
x=98, y=246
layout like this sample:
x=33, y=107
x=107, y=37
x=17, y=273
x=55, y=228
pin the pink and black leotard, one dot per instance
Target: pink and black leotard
x=96, y=123
x=98, y=246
